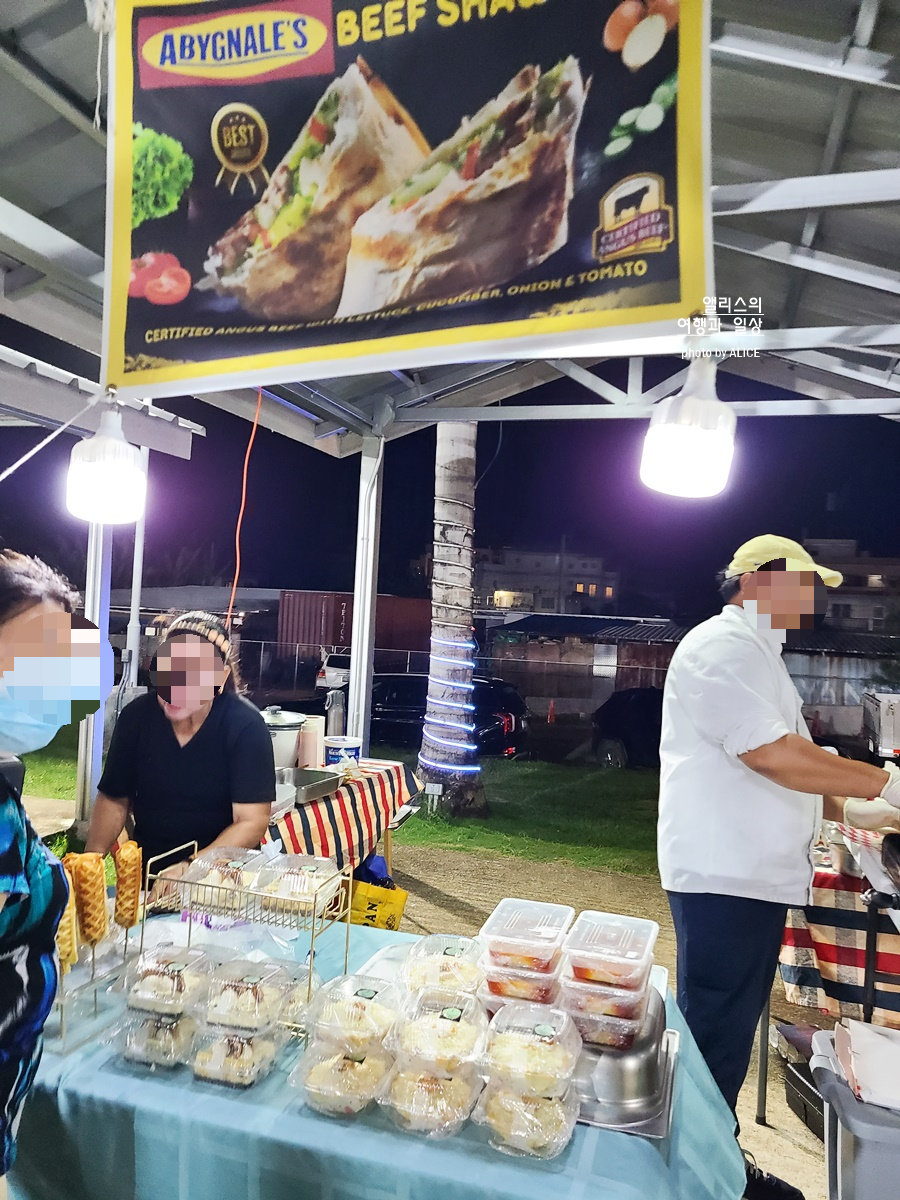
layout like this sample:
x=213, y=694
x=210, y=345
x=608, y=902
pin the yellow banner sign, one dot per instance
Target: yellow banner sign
x=325, y=187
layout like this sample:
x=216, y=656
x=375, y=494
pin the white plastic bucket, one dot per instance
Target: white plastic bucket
x=339, y=750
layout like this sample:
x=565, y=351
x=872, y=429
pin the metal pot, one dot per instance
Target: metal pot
x=284, y=728
x=623, y=1086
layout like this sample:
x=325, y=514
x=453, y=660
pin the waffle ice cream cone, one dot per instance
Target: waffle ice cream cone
x=129, y=863
x=90, y=898
x=67, y=933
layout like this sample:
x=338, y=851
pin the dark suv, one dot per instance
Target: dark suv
x=500, y=717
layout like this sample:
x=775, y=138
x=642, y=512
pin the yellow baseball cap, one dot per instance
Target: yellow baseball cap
x=769, y=547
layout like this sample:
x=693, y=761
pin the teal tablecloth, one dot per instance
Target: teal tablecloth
x=95, y=1130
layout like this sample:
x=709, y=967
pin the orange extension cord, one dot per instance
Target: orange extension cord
x=240, y=520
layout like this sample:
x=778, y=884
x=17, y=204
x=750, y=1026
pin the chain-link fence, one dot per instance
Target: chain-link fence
x=560, y=682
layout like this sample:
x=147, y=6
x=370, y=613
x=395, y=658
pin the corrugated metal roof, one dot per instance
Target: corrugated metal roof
x=600, y=629
x=658, y=632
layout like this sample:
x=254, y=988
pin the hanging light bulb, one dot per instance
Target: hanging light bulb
x=106, y=483
x=689, y=446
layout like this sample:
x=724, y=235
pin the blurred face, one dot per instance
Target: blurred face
x=189, y=673
x=52, y=664
x=788, y=599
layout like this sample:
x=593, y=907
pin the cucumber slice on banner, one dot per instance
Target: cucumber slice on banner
x=663, y=96
x=650, y=118
x=627, y=119
x=617, y=147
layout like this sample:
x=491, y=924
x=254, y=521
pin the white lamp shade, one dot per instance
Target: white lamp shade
x=689, y=447
x=106, y=482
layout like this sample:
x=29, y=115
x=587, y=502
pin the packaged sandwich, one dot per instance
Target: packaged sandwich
x=532, y=1048
x=421, y=1102
x=540, y=1126
x=486, y=205
x=443, y=960
x=443, y=1031
x=354, y=1012
x=339, y=1083
x=285, y=259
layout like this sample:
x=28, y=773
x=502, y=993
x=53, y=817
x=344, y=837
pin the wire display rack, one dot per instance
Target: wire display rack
x=312, y=914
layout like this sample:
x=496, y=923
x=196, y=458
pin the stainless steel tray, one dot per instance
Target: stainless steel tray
x=310, y=784
x=653, y=1121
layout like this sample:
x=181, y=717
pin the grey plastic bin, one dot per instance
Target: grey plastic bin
x=862, y=1141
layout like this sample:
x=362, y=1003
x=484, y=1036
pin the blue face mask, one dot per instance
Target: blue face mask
x=36, y=696
x=21, y=733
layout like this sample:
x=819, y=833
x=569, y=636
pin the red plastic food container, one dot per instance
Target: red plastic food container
x=597, y=1000
x=612, y=950
x=536, y=986
x=526, y=935
x=611, y=1032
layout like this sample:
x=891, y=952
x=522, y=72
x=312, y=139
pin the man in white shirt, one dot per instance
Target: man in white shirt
x=743, y=790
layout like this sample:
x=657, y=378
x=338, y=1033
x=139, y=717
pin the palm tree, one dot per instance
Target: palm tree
x=448, y=758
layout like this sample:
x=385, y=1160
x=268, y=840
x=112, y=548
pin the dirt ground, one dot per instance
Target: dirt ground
x=451, y=890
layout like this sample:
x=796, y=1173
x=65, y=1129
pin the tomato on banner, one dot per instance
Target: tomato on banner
x=327, y=187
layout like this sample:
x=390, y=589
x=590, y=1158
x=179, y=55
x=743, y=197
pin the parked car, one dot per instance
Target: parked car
x=334, y=672
x=627, y=729
x=500, y=717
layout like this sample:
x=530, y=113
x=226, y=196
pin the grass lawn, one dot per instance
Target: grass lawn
x=603, y=820
x=50, y=773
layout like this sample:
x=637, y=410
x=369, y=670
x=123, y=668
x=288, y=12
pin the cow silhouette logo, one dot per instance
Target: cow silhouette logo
x=634, y=219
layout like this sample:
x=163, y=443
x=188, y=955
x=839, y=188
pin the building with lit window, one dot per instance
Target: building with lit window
x=564, y=581
x=869, y=599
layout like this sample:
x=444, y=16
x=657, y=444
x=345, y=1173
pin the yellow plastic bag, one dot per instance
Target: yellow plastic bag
x=377, y=907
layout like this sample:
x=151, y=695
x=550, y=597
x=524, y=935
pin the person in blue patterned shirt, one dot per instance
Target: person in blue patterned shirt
x=34, y=605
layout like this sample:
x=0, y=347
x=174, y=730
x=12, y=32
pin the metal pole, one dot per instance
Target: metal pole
x=762, y=1081
x=365, y=590
x=133, y=636
x=96, y=609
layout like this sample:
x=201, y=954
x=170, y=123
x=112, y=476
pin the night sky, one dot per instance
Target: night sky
x=578, y=479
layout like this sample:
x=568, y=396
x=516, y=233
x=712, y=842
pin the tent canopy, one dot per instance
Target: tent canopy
x=806, y=174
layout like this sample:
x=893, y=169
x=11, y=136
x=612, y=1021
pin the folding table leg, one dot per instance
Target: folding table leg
x=762, y=1081
x=389, y=850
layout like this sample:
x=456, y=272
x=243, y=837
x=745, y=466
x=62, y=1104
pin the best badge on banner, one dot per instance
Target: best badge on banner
x=314, y=187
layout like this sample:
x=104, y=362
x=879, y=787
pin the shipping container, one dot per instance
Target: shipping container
x=326, y=619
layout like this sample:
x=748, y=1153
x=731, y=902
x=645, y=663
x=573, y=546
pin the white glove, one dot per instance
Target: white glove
x=891, y=790
x=874, y=815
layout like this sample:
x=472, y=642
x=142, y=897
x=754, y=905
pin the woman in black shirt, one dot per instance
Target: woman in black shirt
x=191, y=761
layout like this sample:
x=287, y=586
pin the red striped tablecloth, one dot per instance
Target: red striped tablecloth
x=823, y=955
x=348, y=825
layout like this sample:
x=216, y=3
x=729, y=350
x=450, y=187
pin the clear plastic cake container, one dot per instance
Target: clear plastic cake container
x=169, y=980
x=355, y=1012
x=153, y=1040
x=247, y=996
x=296, y=881
x=339, y=1084
x=424, y=1103
x=440, y=1030
x=532, y=1048
x=530, y=1125
x=610, y=949
x=526, y=934
x=443, y=960
x=235, y=1059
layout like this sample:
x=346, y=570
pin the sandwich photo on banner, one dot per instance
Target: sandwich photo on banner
x=486, y=205
x=285, y=258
